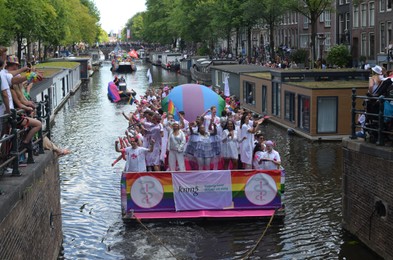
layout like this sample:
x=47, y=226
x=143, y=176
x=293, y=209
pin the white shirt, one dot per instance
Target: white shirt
x=268, y=165
x=135, y=159
x=6, y=78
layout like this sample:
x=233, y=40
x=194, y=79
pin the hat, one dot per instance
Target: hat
x=12, y=59
x=269, y=142
x=377, y=69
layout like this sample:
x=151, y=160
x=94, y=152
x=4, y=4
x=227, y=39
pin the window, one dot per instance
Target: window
x=264, y=99
x=327, y=19
x=327, y=115
x=341, y=2
x=382, y=6
x=347, y=21
x=328, y=41
x=249, y=93
x=341, y=24
x=289, y=106
x=371, y=13
x=304, y=41
x=364, y=15
x=364, y=45
x=305, y=23
x=389, y=34
x=389, y=5
x=371, y=51
x=276, y=98
x=356, y=16
x=322, y=17
x=304, y=112
x=382, y=38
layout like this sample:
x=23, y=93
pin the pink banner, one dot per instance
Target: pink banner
x=202, y=190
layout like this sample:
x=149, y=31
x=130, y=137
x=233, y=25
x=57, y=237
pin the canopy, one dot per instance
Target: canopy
x=193, y=99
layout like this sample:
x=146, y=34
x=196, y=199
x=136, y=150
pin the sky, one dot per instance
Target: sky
x=115, y=13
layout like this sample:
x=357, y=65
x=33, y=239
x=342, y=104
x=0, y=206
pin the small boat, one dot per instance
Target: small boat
x=120, y=93
x=193, y=195
x=123, y=66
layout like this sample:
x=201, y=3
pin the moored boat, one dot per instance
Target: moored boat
x=192, y=195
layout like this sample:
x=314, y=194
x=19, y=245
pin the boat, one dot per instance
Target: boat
x=199, y=195
x=123, y=66
x=171, y=61
x=200, y=69
x=120, y=93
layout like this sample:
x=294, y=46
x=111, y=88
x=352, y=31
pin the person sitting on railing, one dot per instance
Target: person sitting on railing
x=7, y=80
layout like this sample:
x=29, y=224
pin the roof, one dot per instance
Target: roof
x=240, y=68
x=335, y=84
x=59, y=64
x=260, y=75
x=49, y=72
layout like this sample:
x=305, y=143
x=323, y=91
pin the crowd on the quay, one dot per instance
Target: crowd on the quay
x=380, y=84
x=16, y=81
x=155, y=141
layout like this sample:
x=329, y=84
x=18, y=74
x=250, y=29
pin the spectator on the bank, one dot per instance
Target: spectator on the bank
x=375, y=79
x=7, y=80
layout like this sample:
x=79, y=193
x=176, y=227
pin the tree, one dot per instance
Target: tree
x=311, y=9
x=136, y=26
x=339, y=55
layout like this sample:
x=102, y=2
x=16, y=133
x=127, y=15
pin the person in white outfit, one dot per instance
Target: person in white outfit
x=176, y=144
x=230, y=145
x=246, y=140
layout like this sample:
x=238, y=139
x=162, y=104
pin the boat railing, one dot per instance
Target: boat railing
x=12, y=135
x=378, y=126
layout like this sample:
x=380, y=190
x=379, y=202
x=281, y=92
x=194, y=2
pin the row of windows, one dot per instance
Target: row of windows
x=326, y=107
x=384, y=5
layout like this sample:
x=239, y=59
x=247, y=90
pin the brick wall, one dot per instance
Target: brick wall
x=368, y=178
x=27, y=230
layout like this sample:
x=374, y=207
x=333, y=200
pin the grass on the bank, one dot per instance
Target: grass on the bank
x=335, y=84
x=58, y=64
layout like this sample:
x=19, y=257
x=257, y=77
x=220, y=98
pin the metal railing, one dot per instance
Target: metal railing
x=375, y=123
x=10, y=154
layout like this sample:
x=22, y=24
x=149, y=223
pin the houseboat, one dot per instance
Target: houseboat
x=142, y=54
x=201, y=69
x=171, y=61
x=155, y=58
x=220, y=194
x=315, y=104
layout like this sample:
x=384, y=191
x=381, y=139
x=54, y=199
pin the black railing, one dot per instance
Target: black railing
x=376, y=127
x=10, y=152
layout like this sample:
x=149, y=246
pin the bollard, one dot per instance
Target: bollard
x=15, y=143
x=353, y=115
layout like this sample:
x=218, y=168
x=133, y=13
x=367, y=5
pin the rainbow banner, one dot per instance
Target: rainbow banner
x=154, y=191
x=171, y=108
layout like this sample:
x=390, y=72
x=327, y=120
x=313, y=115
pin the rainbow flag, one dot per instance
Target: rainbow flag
x=171, y=108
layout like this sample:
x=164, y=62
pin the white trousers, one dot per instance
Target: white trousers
x=175, y=156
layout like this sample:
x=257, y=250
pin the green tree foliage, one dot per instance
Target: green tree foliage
x=51, y=22
x=103, y=36
x=136, y=26
x=339, y=55
x=311, y=9
x=300, y=56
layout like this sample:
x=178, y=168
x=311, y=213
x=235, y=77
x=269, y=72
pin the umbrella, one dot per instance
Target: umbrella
x=193, y=99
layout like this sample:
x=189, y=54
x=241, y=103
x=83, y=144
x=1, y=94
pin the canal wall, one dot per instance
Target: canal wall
x=30, y=219
x=368, y=194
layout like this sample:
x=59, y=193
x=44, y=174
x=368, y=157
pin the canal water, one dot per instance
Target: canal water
x=90, y=196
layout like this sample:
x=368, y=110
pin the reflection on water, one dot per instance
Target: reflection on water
x=92, y=224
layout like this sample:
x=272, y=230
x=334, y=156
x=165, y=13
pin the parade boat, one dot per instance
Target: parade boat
x=120, y=93
x=196, y=195
x=123, y=66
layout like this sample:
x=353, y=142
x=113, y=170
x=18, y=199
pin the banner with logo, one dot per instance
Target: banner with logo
x=202, y=190
x=128, y=33
x=227, y=190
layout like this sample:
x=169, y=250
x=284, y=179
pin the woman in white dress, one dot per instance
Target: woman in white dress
x=176, y=143
x=229, y=145
x=246, y=139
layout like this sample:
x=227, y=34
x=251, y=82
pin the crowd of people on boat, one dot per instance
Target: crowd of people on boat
x=155, y=141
